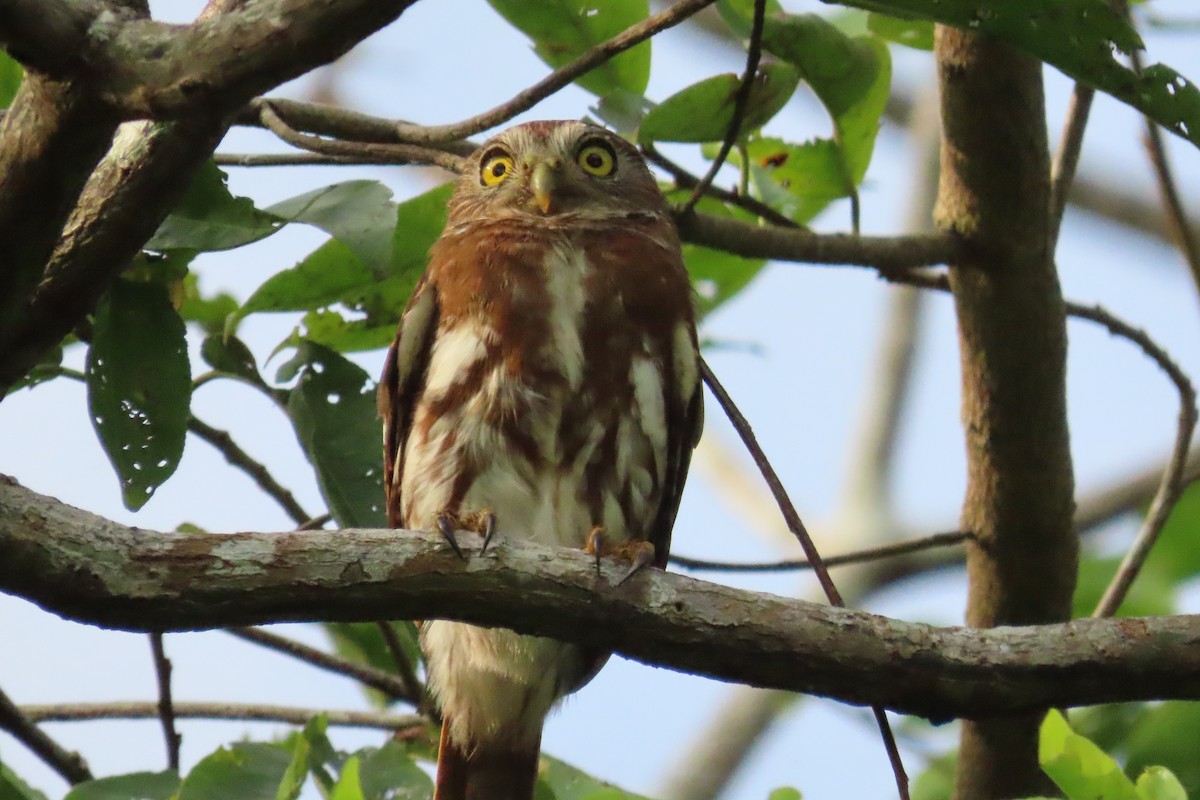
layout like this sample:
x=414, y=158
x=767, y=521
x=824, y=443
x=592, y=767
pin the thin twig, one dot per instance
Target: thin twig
x=561, y=77
x=1174, y=476
x=20, y=726
x=166, y=709
x=386, y=682
x=686, y=180
x=316, y=523
x=796, y=526
x=374, y=151
x=1066, y=159
x=83, y=712
x=741, y=101
x=404, y=667
x=256, y=471
x=948, y=539
x=291, y=160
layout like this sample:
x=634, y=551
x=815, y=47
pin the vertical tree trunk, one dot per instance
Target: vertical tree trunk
x=994, y=191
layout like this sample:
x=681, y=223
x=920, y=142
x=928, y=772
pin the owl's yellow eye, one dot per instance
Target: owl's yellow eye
x=597, y=159
x=495, y=170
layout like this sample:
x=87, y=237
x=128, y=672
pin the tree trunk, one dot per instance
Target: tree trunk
x=994, y=192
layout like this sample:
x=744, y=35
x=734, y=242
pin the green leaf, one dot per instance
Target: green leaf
x=798, y=180
x=914, y=33
x=348, y=786
x=1081, y=38
x=1157, y=783
x=325, y=276
x=703, y=111
x=389, y=773
x=323, y=761
x=360, y=214
x=246, y=770
x=363, y=642
x=568, y=783
x=850, y=75
x=336, y=332
x=11, y=74
x=230, y=354
x=297, y=771
x=210, y=218
x=333, y=411
x=1165, y=735
x=139, y=386
x=716, y=275
x=210, y=312
x=1081, y=769
x=562, y=30
x=1175, y=554
x=12, y=787
x=785, y=793
x=937, y=781
x=135, y=786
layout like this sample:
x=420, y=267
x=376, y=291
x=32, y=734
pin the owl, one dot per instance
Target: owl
x=543, y=383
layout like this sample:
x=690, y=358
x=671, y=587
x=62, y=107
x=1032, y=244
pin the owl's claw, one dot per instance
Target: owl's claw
x=489, y=529
x=638, y=552
x=446, y=525
x=642, y=556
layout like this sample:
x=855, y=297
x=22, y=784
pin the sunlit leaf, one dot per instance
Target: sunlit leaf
x=1080, y=768
x=562, y=30
x=210, y=218
x=297, y=771
x=332, y=409
x=348, y=786
x=246, y=770
x=1158, y=783
x=334, y=331
x=139, y=386
x=1166, y=734
x=703, y=111
x=325, y=276
x=785, y=793
x=135, y=786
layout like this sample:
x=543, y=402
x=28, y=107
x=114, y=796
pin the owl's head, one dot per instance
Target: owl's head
x=554, y=171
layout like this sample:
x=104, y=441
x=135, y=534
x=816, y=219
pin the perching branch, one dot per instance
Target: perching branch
x=95, y=571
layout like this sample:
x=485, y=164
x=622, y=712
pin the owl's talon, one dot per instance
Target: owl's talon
x=446, y=525
x=641, y=557
x=595, y=545
x=489, y=529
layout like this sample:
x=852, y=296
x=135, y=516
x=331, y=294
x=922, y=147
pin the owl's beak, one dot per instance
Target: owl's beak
x=542, y=183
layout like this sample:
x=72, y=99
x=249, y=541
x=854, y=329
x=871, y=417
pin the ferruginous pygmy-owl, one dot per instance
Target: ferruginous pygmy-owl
x=544, y=379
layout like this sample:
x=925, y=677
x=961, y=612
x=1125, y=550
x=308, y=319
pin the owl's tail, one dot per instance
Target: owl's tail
x=486, y=773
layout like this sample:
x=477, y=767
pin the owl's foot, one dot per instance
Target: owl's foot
x=482, y=522
x=638, y=552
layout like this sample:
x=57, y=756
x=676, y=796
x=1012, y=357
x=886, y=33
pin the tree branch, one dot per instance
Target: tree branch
x=83, y=712
x=16, y=722
x=92, y=570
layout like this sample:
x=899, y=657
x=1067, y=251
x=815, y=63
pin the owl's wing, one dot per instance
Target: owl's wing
x=400, y=387
x=685, y=421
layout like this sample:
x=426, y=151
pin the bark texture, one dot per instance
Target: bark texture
x=92, y=570
x=994, y=192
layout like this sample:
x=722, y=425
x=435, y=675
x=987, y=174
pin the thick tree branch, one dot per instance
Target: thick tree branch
x=96, y=571
x=151, y=70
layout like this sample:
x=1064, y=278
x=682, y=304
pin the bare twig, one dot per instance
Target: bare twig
x=316, y=523
x=1066, y=160
x=256, y=471
x=291, y=160
x=389, y=684
x=948, y=539
x=83, y=712
x=166, y=709
x=527, y=99
x=740, y=102
x=796, y=526
x=374, y=151
x=20, y=726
